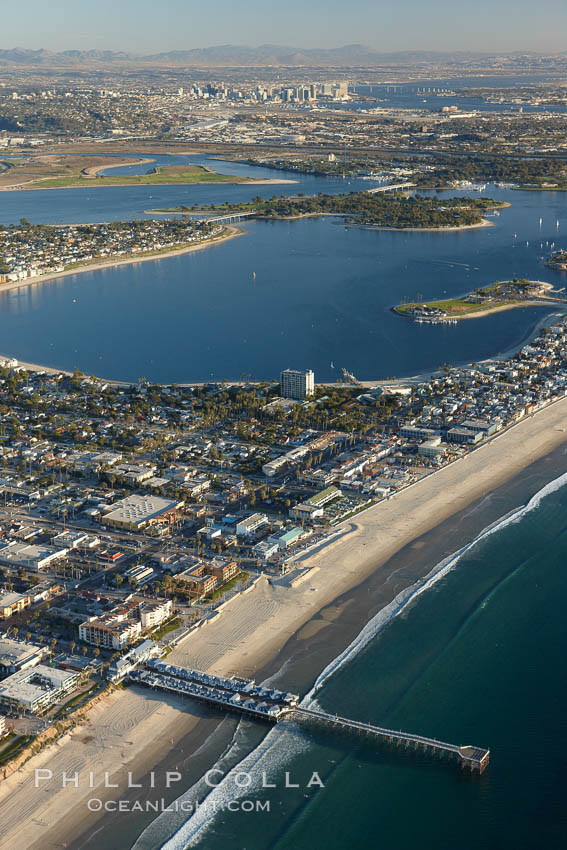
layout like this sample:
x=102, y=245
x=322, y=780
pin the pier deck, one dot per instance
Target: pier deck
x=245, y=697
x=475, y=758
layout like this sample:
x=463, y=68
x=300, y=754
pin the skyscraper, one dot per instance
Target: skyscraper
x=295, y=383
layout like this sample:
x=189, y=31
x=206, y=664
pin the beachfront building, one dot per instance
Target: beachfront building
x=464, y=435
x=287, y=538
x=137, y=512
x=199, y=579
x=123, y=624
x=223, y=570
x=297, y=384
x=114, y=630
x=432, y=448
x=314, y=507
x=37, y=688
x=119, y=668
x=265, y=549
x=305, y=511
x=155, y=612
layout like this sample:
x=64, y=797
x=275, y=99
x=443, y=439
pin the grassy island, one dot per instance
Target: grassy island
x=502, y=295
x=367, y=209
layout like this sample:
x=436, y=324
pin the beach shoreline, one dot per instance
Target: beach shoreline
x=231, y=232
x=256, y=631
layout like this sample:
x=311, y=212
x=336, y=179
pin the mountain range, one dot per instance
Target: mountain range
x=230, y=55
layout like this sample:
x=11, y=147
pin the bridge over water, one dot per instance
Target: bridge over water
x=394, y=187
x=230, y=217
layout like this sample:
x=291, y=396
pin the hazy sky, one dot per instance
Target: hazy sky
x=146, y=26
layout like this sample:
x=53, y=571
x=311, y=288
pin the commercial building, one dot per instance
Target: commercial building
x=247, y=527
x=136, y=512
x=123, y=665
x=74, y=540
x=265, y=550
x=16, y=655
x=288, y=538
x=297, y=384
x=139, y=574
x=37, y=688
x=432, y=448
x=323, y=498
x=464, y=435
x=11, y=603
x=30, y=556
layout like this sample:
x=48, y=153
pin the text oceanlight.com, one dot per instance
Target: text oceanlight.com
x=95, y=804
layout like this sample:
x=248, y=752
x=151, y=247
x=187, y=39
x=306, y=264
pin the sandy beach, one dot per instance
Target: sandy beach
x=133, y=730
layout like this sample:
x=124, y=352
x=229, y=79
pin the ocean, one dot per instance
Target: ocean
x=475, y=654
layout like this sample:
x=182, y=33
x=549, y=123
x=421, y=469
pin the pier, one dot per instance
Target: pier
x=243, y=696
x=472, y=758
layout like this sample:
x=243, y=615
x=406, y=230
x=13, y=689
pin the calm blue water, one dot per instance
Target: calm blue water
x=112, y=203
x=322, y=293
x=412, y=95
x=480, y=658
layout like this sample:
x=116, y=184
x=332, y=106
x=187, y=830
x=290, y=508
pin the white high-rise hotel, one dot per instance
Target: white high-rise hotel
x=297, y=384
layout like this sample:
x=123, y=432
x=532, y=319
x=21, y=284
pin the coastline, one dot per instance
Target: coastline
x=483, y=223
x=479, y=314
x=456, y=228
x=259, y=629
x=230, y=181
x=232, y=233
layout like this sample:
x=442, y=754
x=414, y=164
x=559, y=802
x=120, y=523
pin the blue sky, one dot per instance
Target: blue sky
x=146, y=26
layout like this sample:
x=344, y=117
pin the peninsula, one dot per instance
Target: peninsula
x=483, y=301
x=29, y=252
